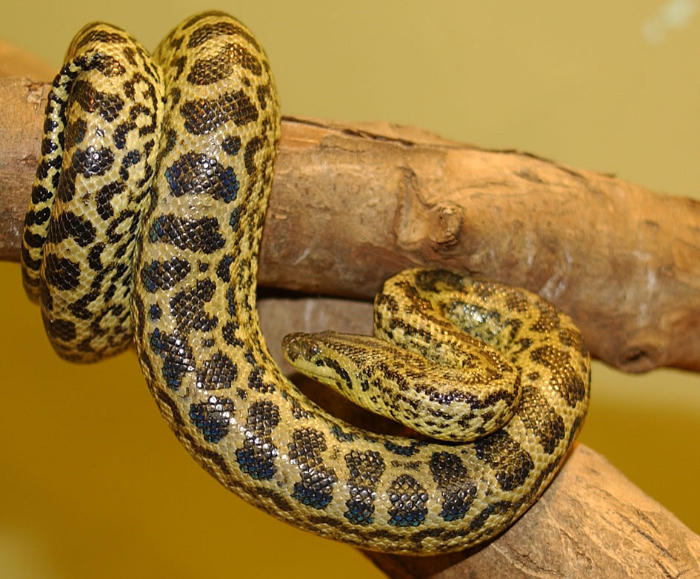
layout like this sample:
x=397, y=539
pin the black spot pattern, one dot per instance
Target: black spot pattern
x=176, y=354
x=67, y=225
x=339, y=434
x=235, y=218
x=155, y=312
x=510, y=462
x=163, y=275
x=223, y=269
x=231, y=145
x=256, y=382
x=541, y=419
x=194, y=280
x=253, y=146
x=228, y=331
x=264, y=94
x=258, y=455
x=74, y=133
x=123, y=226
x=129, y=160
x=108, y=106
x=315, y=489
x=366, y=468
x=104, y=197
x=61, y=273
x=565, y=378
x=197, y=174
x=493, y=509
x=548, y=320
x=61, y=329
x=193, y=234
x=342, y=373
x=105, y=63
x=402, y=450
x=204, y=116
x=88, y=162
x=91, y=161
x=458, y=490
x=220, y=65
x=187, y=307
x=437, y=279
x=408, y=502
x=37, y=217
x=573, y=339
x=516, y=301
x=40, y=194
x=32, y=240
x=213, y=30
x=100, y=36
x=212, y=417
x=79, y=308
x=46, y=165
x=217, y=372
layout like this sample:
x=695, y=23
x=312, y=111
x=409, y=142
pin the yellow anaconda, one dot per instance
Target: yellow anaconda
x=145, y=220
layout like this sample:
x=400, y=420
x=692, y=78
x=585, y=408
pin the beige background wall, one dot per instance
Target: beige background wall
x=92, y=483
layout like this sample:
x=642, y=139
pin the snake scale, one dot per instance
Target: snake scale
x=145, y=221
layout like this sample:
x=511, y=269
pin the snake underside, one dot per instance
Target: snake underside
x=146, y=218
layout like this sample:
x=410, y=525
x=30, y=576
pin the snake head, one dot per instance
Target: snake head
x=300, y=345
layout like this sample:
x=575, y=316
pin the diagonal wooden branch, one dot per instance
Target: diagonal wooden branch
x=354, y=203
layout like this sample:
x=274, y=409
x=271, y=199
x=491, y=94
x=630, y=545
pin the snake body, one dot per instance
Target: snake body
x=151, y=195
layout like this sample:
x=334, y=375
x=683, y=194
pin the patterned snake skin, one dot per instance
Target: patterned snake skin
x=147, y=210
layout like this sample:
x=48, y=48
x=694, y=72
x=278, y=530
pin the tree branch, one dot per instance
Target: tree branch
x=352, y=204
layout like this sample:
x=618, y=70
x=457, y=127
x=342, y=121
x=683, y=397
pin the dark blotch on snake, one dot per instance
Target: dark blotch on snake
x=163, y=275
x=511, y=463
x=258, y=455
x=197, y=174
x=315, y=489
x=212, y=417
x=203, y=116
x=408, y=502
x=193, y=234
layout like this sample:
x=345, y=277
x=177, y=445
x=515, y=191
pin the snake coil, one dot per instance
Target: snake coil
x=145, y=221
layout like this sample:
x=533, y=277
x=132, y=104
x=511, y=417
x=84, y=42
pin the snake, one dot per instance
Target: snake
x=144, y=225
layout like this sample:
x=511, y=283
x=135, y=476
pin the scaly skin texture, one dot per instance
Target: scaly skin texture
x=421, y=369
x=208, y=368
x=101, y=134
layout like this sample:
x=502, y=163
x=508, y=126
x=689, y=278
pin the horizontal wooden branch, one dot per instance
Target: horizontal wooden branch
x=591, y=521
x=354, y=203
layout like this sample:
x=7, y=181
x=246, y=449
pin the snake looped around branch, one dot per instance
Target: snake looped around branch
x=145, y=221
